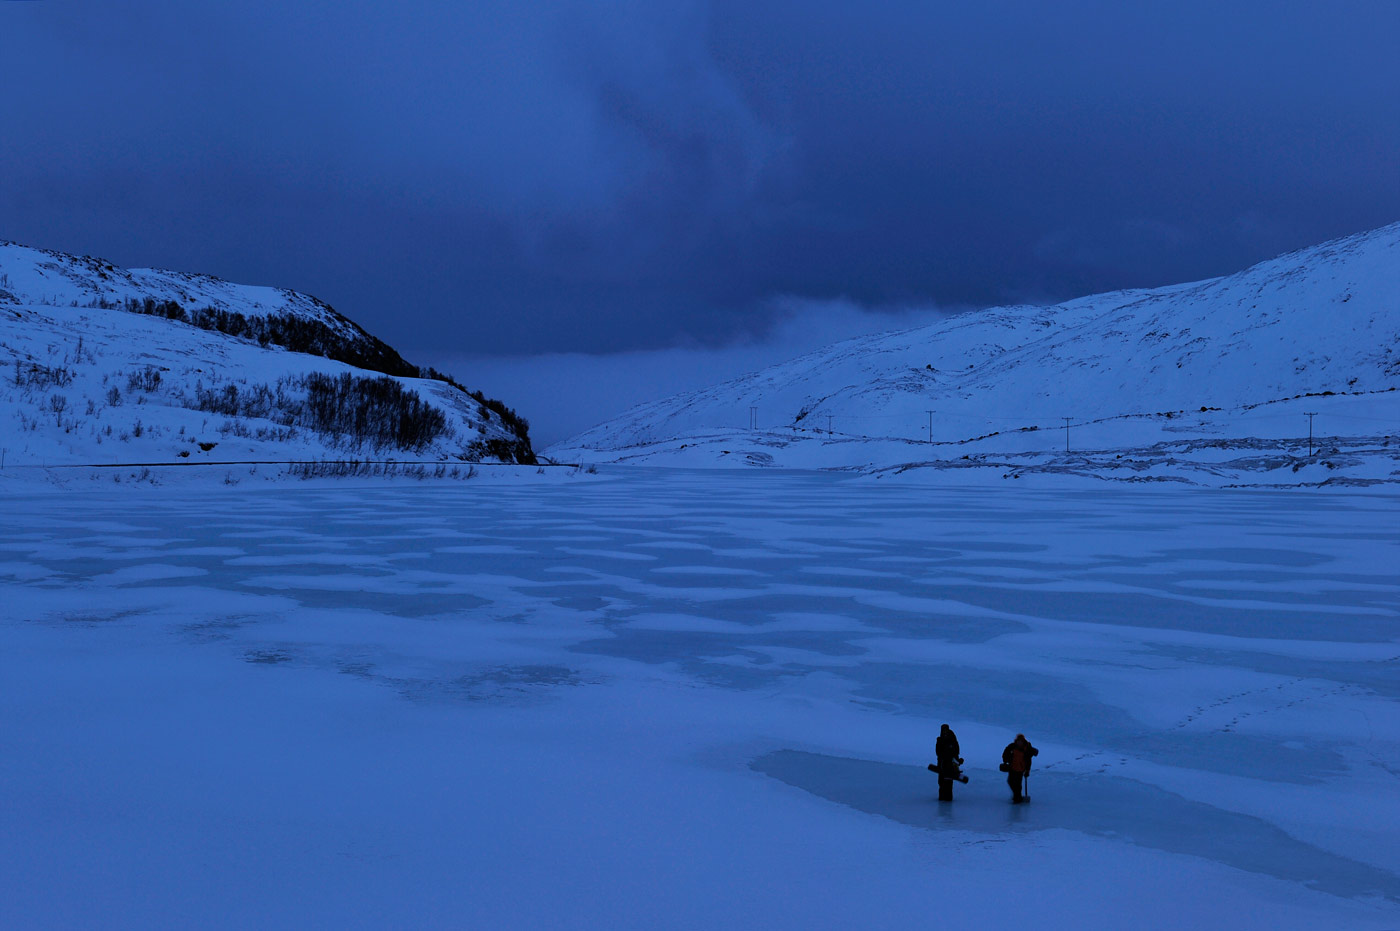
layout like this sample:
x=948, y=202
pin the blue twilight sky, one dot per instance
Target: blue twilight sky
x=512, y=180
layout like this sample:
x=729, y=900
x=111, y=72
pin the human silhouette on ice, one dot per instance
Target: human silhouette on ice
x=1016, y=763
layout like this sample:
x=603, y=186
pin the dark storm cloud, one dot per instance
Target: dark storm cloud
x=594, y=176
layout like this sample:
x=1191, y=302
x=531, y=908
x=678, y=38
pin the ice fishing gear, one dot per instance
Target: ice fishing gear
x=954, y=773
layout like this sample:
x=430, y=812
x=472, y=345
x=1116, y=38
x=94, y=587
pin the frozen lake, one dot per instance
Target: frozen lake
x=696, y=699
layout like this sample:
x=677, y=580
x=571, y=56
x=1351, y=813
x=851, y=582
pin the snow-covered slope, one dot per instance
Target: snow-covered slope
x=45, y=277
x=103, y=365
x=1131, y=369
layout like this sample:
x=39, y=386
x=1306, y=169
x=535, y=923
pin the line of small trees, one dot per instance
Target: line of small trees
x=513, y=422
x=515, y=450
x=310, y=336
x=294, y=332
x=378, y=412
x=355, y=468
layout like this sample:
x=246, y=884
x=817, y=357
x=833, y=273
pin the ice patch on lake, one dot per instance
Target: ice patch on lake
x=1104, y=806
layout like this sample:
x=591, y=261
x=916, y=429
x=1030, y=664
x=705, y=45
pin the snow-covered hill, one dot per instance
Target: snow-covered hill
x=1207, y=382
x=102, y=365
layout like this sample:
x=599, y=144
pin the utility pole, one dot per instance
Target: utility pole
x=1311, y=415
x=828, y=425
x=930, y=427
x=1067, y=420
x=753, y=417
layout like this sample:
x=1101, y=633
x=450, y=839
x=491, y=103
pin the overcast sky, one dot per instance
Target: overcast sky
x=610, y=179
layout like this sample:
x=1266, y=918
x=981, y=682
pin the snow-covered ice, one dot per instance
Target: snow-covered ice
x=696, y=699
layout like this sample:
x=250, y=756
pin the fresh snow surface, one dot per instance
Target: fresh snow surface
x=57, y=279
x=696, y=699
x=1205, y=383
x=85, y=384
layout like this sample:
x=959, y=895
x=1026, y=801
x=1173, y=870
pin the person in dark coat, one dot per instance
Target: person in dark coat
x=948, y=762
x=1016, y=760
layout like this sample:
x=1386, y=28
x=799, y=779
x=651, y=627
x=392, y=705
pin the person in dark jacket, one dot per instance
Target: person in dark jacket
x=1016, y=760
x=948, y=762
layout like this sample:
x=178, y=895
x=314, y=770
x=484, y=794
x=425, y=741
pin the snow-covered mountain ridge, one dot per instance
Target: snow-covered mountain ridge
x=103, y=364
x=1204, y=360
x=43, y=277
